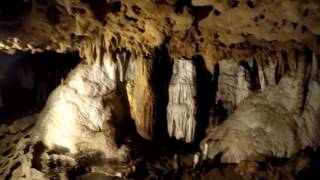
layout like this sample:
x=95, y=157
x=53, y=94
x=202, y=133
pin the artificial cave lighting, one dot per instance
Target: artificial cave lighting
x=159, y=89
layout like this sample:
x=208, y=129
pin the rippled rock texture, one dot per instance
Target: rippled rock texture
x=238, y=77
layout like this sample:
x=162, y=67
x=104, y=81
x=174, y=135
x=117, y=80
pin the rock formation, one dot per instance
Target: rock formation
x=181, y=108
x=142, y=97
x=141, y=78
x=80, y=115
x=277, y=122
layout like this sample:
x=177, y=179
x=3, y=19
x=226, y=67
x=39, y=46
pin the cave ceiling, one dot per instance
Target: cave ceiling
x=214, y=29
x=239, y=78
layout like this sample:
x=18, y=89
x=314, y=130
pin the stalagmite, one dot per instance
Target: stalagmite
x=196, y=160
x=240, y=76
x=124, y=68
x=181, y=110
x=279, y=121
x=80, y=114
x=141, y=96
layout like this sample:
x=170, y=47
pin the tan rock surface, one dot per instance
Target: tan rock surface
x=142, y=98
x=214, y=29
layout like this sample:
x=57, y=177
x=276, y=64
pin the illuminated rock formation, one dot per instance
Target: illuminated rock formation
x=181, y=110
x=233, y=84
x=239, y=76
x=81, y=114
x=279, y=121
x=141, y=97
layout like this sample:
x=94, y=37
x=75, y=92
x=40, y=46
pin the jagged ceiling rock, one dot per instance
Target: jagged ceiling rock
x=213, y=29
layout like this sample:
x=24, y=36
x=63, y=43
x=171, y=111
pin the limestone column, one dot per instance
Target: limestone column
x=141, y=96
x=181, y=109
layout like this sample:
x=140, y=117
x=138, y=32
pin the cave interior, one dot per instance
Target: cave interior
x=159, y=89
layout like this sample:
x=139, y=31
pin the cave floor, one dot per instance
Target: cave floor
x=20, y=156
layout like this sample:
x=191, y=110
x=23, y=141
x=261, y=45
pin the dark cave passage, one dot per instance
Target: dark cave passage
x=26, y=80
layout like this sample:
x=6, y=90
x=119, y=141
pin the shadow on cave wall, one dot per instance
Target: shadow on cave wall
x=205, y=96
x=12, y=13
x=26, y=80
x=161, y=76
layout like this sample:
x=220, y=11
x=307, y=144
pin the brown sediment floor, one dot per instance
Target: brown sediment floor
x=21, y=157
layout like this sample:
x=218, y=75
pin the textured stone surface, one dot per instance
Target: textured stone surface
x=81, y=114
x=233, y=84
x=214, y=29
x=258, y=54
x=17, y=151
x=181, y=110
x=142, y=97
x=276, y=122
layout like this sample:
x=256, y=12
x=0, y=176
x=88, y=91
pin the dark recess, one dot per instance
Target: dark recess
x=233, y=3
x=53, y=15
x=12, y=13
x=136, y=9
x=27, y=79
x=13, y=9
x=161, y=76
x=99, y=9
x=250, y=3
x=180, y=4
x=204, y=96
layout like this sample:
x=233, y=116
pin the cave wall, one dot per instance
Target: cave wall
x=26, y=80
x=260, y=58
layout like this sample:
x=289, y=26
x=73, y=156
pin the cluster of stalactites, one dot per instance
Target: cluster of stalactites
x=142, y=97
x=132, y=76
x=181, y=110
x=236, y=80
x=278, y=120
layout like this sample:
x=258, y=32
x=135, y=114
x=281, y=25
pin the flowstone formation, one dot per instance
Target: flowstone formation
x=81, y=114
x=237, y=80
x=182, y=101
x=276, y=122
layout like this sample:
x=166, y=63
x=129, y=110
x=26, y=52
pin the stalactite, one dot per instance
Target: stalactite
x=93, y=50
x=242, y=89
x=303, y=76
x=278, y=121
x=181, y=110
x=141, y=96
x=130, y=71
x=123, y=68
x=269, y=72
x=309, y=121
x=233, y=86
x=261, y=75
x=122, y=62
x=266, y=73
x=110, y=66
